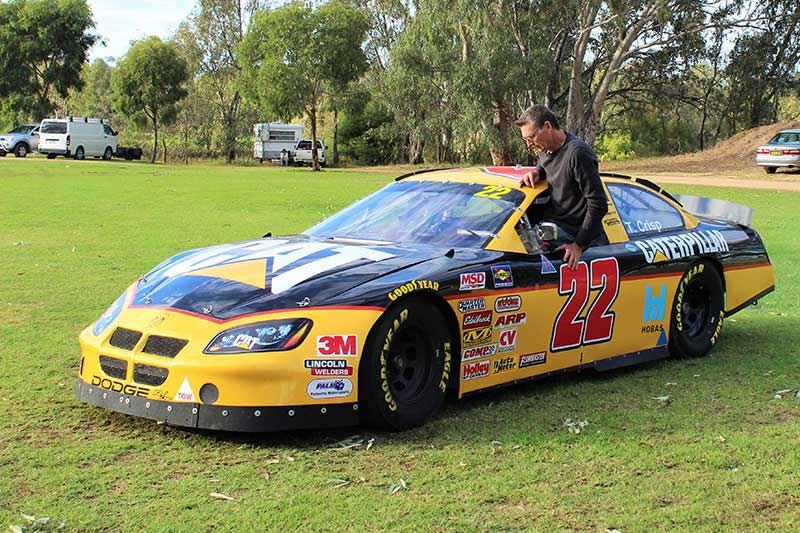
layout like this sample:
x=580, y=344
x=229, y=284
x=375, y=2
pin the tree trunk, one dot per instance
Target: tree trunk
x=335, y=136
x=314, y=153
x=155, y=137
x=164, y=147
x=501, y=149
x=415, y=151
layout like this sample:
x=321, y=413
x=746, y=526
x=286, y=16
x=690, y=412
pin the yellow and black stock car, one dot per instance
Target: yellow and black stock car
x=440, y=280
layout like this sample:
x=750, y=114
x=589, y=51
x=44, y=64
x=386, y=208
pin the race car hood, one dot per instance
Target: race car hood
x=231, y=280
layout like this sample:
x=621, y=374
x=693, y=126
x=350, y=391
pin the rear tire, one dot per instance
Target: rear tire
x=406, y=366
x=79, y=153
x=21, y=150
x=108, y=154
x=770, y=170
x=697, y=311
x=3, y=154
x=51, y=156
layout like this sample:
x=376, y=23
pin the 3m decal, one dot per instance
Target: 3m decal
x=502, y=276
x=682, y=245
x=570, y=330
x=478, y=319
x=501, y=365
x=478, y=369
x=505, y=304
x=474, y=337
x=532, y=359
x=122, y=388
x=514, y=319
x=495, y=192
x=478, y=352
x=345, y=345
x=507, y=341
x=473, y=280
x=472, y=304
x=329, y=388
x=328, y=367
x=547, y=266
x=185, y=393
x=411, y=286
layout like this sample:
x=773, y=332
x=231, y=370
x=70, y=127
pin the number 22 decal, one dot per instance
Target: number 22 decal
x=571, y=330
x=495, y=192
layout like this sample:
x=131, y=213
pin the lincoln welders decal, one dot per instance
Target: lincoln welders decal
x=278, y=264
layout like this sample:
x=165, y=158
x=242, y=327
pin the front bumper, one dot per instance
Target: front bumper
x=218, y=417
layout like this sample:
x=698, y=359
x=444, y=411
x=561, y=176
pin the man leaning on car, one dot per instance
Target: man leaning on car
x=578, y=201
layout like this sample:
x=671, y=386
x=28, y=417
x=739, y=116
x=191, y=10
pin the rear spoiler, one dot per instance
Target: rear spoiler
x=718, y=209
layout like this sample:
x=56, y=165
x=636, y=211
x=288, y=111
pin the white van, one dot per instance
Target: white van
x=77, y=137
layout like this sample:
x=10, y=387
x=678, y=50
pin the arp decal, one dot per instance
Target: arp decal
x=502, y=276
x=507, y=342
x=471, y=304
x=682, y=245
x=118, y=386
x=478, y=352
x=411, y=286
x=478, y=319
x=532, y=359
x=505, y=304
x=478, y=369
x=345, y=345
x=571, y=330
x=473, y=280
x=474, y=337
x=501, y=365
x=328, y=367
x=513, y=319
x=329, y=388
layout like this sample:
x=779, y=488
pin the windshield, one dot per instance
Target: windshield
x=53, y=127
x=22, y=129
x=446, y=214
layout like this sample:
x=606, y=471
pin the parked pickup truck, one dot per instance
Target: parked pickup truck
x=302, y=153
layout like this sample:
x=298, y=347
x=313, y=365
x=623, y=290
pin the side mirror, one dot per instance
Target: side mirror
x=547, y=231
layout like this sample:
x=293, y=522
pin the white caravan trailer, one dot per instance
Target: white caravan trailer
x=77, y=137
x=270, y=138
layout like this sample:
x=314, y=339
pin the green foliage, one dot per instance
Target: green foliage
x=43, y=46
x=368, y=135
x=149, y=80
x=94, y=99
x=615, y=146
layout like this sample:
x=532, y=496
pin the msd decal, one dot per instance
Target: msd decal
x=472, y=281
x=478, y=369
x=515, y=319
x=345, y=345
x=507, y=341
x=506, y=304
x=480, y=319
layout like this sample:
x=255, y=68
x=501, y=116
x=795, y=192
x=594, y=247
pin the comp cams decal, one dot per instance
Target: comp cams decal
x=329, y=388
x=682, y=245
x=411, y=286
x=478, y=352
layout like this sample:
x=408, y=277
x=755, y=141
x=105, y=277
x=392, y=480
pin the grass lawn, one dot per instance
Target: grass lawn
x=721, y=454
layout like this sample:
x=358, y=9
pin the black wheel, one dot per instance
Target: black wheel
x=108, y=154
x=21, y=150
x=697, y=312
x=2, y=153
x=770, y=170
x=79, y=153
x=51, y=156
x=406, y=366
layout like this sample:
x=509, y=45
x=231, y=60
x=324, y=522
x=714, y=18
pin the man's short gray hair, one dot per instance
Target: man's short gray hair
x=538, y=114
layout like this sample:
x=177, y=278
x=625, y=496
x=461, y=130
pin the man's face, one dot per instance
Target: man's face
x=537, y=138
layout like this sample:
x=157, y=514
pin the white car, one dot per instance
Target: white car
x=20, y=141
x=303, y=155
x=783, y=150
x=77, y=137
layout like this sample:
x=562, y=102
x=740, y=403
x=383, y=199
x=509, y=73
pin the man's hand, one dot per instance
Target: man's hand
x=572, y=254
x=530, y=178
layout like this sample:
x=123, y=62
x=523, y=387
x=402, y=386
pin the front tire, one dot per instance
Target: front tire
x=697, y=311
x=79, y=153
x=108, y=154
x=21, y=150
x=770, y=170
x=51, y=156
x=406, y=366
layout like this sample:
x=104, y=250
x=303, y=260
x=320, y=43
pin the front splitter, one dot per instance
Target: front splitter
x=219, y=417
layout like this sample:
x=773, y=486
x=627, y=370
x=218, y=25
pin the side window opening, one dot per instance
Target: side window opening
x=644, y=212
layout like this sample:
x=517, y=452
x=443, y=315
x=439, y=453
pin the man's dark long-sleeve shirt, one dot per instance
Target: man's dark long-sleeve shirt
x=578, y=201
